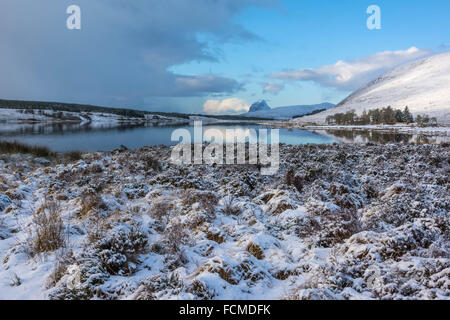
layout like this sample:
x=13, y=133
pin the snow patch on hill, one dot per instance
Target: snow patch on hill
x=287, y=113
x=423, y=86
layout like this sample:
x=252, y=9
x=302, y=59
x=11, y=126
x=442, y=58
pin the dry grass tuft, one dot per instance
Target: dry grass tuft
x=229, y=207
x=73, y=156
x=48, y=227
x=175, y=235
x=64, y=259
x=255, y=251
x=292, y=179
x=91, y=202
x=160, y=209
x=206, y=199
x=16, y=147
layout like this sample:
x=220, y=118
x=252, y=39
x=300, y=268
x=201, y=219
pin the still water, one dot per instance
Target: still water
x=69, y=137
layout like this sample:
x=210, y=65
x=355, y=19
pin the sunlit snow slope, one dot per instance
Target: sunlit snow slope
x=423, y=86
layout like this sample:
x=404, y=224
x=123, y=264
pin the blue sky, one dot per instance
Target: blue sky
x=179, y=55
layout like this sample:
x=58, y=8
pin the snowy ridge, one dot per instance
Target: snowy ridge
x=423, y=86
x=12, y=116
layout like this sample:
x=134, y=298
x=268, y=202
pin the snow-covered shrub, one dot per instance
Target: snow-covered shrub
x=159, y=285
x=136, y=190
x=3, y=229
x=3, y=182
x=215, y=234
x=279, y=201
x=149, y=162
x=115, y=254
x=334, y=225
x=96, y=227
x=91, y=203
x=5, y=201
x=206, y=199
x=385, y=265
x=82, y=281
x=174, y=236
x=200, y=291
x=228, y=207
x=15, y=194
x=118, y=251
x=63, y=259
x=294, y=180
x=160, y=210
x=233, y=271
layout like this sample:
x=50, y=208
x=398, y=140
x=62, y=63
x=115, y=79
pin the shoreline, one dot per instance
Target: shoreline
x=441, y=130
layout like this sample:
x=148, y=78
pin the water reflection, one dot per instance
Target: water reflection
x=381, y=137
x=85, y=137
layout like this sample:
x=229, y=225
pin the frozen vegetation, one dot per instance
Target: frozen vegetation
x=337, y=222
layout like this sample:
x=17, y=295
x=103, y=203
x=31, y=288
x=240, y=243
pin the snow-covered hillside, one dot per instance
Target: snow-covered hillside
x=423, y=86
x=93, y=118
x=287, y=113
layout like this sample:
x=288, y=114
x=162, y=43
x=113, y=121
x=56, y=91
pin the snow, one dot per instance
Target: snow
x=12, y=116
x=259, y=106
x=287, y=113
x=422, y=85
x=362, y=222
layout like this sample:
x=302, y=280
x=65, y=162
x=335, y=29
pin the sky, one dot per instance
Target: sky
x=209, y=56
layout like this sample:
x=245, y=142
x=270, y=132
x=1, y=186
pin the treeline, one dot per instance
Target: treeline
x=30, y=106
x=34, y=106
x=386, y=115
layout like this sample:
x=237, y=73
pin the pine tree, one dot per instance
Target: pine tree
x=407, y=116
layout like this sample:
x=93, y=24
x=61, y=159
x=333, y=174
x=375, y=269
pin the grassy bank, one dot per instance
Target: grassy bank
x=7, y=147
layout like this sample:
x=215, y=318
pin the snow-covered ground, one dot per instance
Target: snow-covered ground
x=422, y=85
x=336, y=222
x=93, y=118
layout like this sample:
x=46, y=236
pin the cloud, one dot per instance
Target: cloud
x=233, y=105
x=204, y=84
x=124, y=52
x=443, y=47
x=272, y=87
x=352, y=75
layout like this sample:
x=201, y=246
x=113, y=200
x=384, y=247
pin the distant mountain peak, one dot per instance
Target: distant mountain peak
x=259, y=106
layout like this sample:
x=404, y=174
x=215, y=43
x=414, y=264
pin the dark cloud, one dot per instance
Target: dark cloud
x=123, y=53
